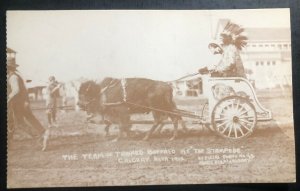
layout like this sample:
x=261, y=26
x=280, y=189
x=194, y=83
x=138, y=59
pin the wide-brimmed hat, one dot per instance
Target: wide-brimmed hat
x=11, y=64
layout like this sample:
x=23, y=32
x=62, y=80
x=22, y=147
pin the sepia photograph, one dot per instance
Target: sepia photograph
x=149, y=97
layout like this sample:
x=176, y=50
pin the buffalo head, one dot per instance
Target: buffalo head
x=88, y=96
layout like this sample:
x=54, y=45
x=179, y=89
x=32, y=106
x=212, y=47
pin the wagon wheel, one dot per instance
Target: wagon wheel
x=234, y=117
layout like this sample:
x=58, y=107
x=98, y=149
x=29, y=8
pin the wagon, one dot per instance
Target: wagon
x=233, y=109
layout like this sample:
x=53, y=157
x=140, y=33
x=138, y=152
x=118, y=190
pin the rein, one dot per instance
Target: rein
x=183, y=77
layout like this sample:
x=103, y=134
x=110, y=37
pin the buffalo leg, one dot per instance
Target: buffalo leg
x=121, y=129
x=184, y=128
x=151, y=131
x=124, y=125
x=157, y=121
x=124, y=130
x=121, y=132
x=108, y=124
x=107, y=130
x=175, y=124
x=159, y=128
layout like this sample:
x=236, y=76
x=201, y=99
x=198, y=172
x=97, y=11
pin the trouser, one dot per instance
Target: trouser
x=51, y=110
x=11, y=125
x=23, y=117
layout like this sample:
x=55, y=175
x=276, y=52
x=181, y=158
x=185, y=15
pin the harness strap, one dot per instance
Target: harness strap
x=113, y=104
x=176, y=112
x=108, y=86
x=123, y=83
x=112, y=83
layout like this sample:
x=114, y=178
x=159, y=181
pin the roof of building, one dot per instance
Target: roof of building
x=268, y=33
x=9, y=50
x=33, y=84
x=259, y=33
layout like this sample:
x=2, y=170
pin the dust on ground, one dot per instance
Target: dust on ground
x=271, y=147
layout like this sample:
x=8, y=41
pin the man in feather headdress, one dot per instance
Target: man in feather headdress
x=230, y=64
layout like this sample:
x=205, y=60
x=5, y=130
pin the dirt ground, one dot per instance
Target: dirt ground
x=80, y=155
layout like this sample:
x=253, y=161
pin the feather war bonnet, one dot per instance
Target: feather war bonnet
x=232, y=34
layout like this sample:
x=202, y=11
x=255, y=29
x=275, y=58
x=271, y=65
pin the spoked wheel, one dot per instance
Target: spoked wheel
x=234, y=117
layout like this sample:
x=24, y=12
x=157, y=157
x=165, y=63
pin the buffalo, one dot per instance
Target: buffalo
x=116, y=99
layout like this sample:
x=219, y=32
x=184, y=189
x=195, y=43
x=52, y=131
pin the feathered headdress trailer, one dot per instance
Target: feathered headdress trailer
x=232, y=34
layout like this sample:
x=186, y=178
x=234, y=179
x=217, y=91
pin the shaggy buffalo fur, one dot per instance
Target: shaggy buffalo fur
x=117, y=99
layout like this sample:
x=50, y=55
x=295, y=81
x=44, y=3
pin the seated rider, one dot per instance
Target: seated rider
x=230, y=64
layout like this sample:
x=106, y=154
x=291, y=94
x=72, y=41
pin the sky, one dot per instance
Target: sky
x=157, y=44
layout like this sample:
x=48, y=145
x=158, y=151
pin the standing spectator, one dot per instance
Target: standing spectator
x=19, y=111
x=52, y=99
